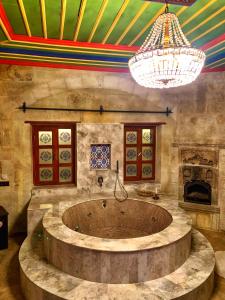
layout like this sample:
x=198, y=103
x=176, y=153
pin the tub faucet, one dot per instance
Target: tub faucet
x=100, y=181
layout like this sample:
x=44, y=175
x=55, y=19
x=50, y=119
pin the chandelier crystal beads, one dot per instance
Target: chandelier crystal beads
x=166, y=58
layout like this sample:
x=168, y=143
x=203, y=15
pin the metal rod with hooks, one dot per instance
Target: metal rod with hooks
x=100, y=110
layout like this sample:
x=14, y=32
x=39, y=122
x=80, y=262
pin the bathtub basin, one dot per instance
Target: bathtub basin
x=110, y=219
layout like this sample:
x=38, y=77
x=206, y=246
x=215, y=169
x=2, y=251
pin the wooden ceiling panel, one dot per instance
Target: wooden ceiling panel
x=102, y=34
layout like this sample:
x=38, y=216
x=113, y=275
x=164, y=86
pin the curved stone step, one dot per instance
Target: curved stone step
x=42, y=281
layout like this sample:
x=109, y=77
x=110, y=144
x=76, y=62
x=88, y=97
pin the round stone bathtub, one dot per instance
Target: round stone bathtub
x=107, y=241
x=110, y=219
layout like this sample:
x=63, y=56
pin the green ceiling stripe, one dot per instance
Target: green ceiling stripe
x=14, y=15
x=141, y=22
x=202, y=17
x=216, y=48
x=192, y=10
x=89, y=19
x=130, y=12
x=209, y=37
x=53, y=13
x=108, y=17
x=33, y=16
x=2, y=35
x=213, y=34
x=72, y=10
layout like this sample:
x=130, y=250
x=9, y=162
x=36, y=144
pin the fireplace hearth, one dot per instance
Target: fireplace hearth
x=197, y=191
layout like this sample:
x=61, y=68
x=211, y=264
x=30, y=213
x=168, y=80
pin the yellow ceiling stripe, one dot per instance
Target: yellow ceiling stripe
x=23, y=12
x=207, y=31
x=147, y=26
x=181, y=11
x=214, y=46
x=198, y=13
x=216, y=51
x=220, y=61
x=66, y=50
x=80, y=18
x=116, y=20
x=140, y=12
x=5, y=30
x=63, y=14
x=98, y=19
x=206, y=20
x=52, y=59
x=43, y=17
x=72, y=47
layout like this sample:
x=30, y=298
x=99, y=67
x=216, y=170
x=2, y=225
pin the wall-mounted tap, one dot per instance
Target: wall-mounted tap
x=100, y=181
x=104, y=203
x=77, y=228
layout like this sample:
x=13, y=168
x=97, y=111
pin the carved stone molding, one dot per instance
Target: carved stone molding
x=199, y=157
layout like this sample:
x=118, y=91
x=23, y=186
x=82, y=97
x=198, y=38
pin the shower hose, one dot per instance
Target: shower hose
x=120, y=193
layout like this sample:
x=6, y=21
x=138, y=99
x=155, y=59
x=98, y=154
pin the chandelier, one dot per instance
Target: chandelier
x=166, y=58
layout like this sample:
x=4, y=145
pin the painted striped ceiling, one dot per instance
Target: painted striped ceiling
x=100, y=34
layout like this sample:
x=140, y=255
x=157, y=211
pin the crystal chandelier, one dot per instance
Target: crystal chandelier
x=166, y=58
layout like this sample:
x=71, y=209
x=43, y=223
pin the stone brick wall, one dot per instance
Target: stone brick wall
x=198, y=117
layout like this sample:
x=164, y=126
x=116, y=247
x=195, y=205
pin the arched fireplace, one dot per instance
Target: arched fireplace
x=197, y=191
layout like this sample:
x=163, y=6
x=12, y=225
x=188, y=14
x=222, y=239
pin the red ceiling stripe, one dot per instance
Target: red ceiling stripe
x=61, y=66
x=33, y=39
x=5, y=21
x=215, y=41
x=218, y=69
x=88, y=68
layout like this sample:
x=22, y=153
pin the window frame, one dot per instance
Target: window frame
x=53, y=126
x=138, y=127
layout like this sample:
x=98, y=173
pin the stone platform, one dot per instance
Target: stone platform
x=45, y=279
x=192, y=281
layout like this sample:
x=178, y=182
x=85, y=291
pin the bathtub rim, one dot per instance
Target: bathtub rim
x=53, y=227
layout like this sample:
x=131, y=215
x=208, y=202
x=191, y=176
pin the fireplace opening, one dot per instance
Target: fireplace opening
x=197, y=191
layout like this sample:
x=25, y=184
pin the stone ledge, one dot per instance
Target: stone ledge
x=199, y=207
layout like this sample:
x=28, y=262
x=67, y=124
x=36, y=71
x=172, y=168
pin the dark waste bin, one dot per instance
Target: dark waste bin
x=3, y=228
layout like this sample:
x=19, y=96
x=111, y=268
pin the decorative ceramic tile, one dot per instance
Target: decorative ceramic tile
x=131, y=137
x=45, y=156
x=146, y=153
x=65, y=155
x=100, y=156
x=45, y=174
x=65, y=174
x=146, y=170
x=45, y=138
x=131, y=170
x=146, y=136
x=64, y=136
x=131, y=153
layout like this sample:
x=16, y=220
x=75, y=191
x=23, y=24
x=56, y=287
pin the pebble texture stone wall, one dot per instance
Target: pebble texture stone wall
x=198, y=117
